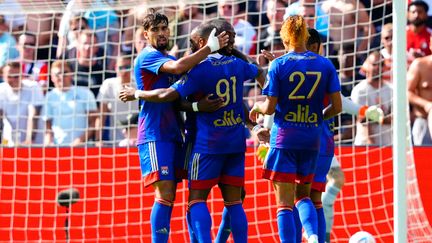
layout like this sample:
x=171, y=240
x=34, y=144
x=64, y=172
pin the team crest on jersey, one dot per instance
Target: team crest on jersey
x=164, y=170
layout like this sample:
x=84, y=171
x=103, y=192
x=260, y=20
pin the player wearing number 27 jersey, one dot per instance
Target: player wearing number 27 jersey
x=299, y=81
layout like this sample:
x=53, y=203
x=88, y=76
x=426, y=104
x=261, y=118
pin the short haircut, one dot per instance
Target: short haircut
x=13, y=64
x=314, y=37
x=221, y=25
x=203, y=30
x=387, y=27
x=62, y=65
x=89, y=33
x=153, y=18
x=419, y=3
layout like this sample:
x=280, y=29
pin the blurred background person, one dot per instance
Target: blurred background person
x=20, y=104
x=69, y=111
x=245, y=33
x=418, y=34
x=130, y=130
x=373, y=91
x=32, y=68
x=7, y=44
x=111, y=108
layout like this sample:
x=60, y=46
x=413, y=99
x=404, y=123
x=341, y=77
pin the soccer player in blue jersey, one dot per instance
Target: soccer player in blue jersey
x=159, y=138
x=297, y=84
x=219, y=149
x=326, y=157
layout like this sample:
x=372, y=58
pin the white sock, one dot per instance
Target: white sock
x=328, y=199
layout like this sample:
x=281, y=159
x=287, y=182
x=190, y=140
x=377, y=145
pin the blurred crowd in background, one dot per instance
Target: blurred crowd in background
x=61, y=72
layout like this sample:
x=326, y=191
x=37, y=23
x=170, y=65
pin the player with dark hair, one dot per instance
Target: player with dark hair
x=159, y=138
x=219, y=150
x=297, y=84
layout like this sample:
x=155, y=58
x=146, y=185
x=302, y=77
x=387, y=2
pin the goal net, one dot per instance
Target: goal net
x=39, y=163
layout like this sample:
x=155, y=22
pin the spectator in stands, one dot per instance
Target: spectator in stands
x=70, y=111
x=270, y=39
x=31, y=67
x=42, y=25
x=386, y=51
x=301, y=8
x=245, y=32
x=104, y=23
x=69, y=40
x=110, y=106
x=20, y=103
x=7, y=44
x=418, y=34
x=373, y=91
x=419, y=80
x=190, y=16
x=349, y=23
x=89, y=62
x=130, y=130
x=139, y=40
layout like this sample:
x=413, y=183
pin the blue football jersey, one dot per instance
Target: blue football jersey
x=157, y=121
x=300, y=81
x=327, y=145
x=221, y=131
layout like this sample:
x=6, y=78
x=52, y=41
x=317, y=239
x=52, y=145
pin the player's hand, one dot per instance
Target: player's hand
x=253, y=114
x=374, y=113
x=268, y=55
x=217, y=42
x=261, y=152
x=127, y=94
x=263, y=135
x=209, y=105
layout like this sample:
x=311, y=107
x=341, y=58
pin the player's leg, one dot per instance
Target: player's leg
x=318, y=187
x=231, y=184
x=200, y=218
x=280, y=167
x=187, y=152
x=203, y=174
x=306, y=165
x=225, y=225
x=298, y=225
x=157, y=166
x=336, y=180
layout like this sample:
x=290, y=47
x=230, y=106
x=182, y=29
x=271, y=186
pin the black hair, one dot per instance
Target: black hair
x=153, y=18
x=221, y=25
x=203, y=30
x=314, y=37
x=419, y=3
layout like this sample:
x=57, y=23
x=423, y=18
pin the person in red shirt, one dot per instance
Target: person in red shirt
x=418, y=34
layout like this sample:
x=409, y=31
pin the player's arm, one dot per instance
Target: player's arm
x=203, y=105
x=267, y=107
x=413, y=79
x=157, y=95
x=335, y=106
x=260, y=78
x=373, y=113
x=184, y=64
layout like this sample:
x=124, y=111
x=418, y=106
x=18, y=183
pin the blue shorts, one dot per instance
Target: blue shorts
x=207, y=170
x=290, y=165
x=161, y=161
x=321, y=171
